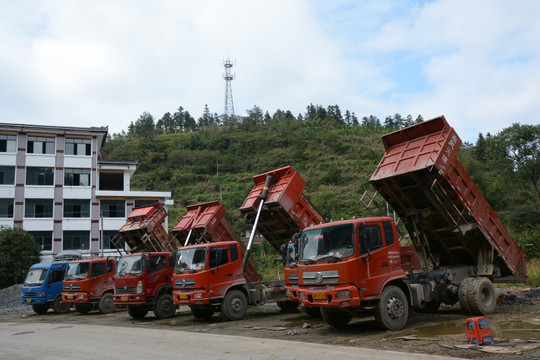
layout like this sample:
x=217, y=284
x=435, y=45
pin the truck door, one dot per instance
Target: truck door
x=100, y=279
x=55, y=282
x=221, y=270
x=374, y=258
x=154, y=267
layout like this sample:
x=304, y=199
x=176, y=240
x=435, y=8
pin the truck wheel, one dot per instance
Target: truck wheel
x=336, y=318
x=164, y=307
x=40, y=308
x=482, y=296
x=313, y=312
x=59, y=306
x=137, y=311
x=106, y=304
x=202, y=314
x=463, y=295
x=83, y=308
x=288, y=305
x=392, y=310
x=234, y=305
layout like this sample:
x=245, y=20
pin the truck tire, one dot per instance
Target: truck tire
x=313, y=312
x=137, y=311
x=59, y=306
x=336, y=318
x=463, y=294
x=40, y=308
x=288, y=305
x=482, y=296
x=164, y=307
x=106, y=304
x=83, y=308
x=235, y=305
x=202, y=314
x=392, y=309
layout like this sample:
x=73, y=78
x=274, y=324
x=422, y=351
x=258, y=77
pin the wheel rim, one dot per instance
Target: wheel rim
x=166, y=306
x=236, y=305
x=485, y=297
x=394, y=307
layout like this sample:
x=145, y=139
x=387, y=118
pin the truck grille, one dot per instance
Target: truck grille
x=29, y=294
x=315, y=277
x=72, y=287
x=125, y=290
x=182, y=283
x=293, y=278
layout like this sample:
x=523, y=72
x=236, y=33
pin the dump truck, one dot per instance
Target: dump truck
x=88, y=285
x=353, y=267
x=143, y=279
x=42, y=287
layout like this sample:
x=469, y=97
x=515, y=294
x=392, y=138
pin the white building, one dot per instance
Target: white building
x=55, y=184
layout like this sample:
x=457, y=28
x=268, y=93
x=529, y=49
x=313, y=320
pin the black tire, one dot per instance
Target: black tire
x=482, y=297
x=313, y=312
x=336, y=318
x=164, y=307
x=40, y=308
x=137, y=311
x=235, y=305
x=430, y=307
x=288, y=305
x=463, y=296
x=202, y=314
x=59, y=306
x=106, y=304
x=392, y=310
x=83, y=308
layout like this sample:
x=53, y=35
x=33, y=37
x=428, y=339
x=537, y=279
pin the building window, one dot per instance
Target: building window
x=6, y=208
x=38, y=208
x=8, y=143
x=7, y=175
x=111, y=181
x=39, y=176
x=108, y=236
x=79, y=147
x=74, y=208
x=139, y=203
x=77, y=177
x=113, y=208
x=43, y=238
x=40, y=145
x=76, y=240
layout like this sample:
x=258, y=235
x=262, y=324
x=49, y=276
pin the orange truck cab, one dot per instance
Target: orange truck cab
x=143, y=282
x=88, y=284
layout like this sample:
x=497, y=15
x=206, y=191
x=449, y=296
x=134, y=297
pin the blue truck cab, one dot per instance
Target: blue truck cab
x=42, y=287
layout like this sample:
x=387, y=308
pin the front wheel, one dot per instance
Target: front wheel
x=106, y=304
x=235, y=305
x=336, y=318
x=59, y=306
x=164, y=307
x=40, y=308
x=392, y=310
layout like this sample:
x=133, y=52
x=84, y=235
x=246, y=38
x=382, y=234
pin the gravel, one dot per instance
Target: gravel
x=10, y=299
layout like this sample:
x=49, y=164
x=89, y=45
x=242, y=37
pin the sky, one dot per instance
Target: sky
x=104, y=63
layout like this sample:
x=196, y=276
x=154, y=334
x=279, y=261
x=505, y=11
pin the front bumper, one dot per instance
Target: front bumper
x=129, y=299
x=342, y=296
x=191, y=297
x=75, y=298
x=34, y=301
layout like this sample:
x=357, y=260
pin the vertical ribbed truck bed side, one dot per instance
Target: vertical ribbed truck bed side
x=144, y=231
x=449, y=220
x=286, y=210
x=208, y=224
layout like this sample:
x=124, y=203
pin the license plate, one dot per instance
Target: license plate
x=28, y=300
x=183, y=296
x=319, y=296
x=123, y=298
x=70, y=297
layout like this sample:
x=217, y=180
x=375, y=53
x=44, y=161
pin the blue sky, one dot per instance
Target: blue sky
x=104, y=63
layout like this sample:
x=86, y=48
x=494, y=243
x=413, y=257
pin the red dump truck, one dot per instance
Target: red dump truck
x=353, y=267
x=143, y=279
x=88, y=284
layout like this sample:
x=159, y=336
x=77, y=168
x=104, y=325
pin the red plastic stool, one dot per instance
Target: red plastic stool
x=478, y=332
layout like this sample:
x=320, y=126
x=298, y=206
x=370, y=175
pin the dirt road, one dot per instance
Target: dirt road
x=515, y=327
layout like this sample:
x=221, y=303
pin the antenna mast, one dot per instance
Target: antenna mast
x=228, y=76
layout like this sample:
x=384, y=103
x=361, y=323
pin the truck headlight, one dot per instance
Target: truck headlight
x=80, y=296
x=197, y=295
x=40, y=294
x=139, y=287
x=301, y=295
x=343, y=294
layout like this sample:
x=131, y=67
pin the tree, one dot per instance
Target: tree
x=145, y=126
x=18, y=251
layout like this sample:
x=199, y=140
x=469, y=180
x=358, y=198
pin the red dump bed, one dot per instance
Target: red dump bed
x=143, y=230
x=449, y=220
x=207, y=223
x=286, y=210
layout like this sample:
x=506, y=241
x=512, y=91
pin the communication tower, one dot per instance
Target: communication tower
x=228, y=76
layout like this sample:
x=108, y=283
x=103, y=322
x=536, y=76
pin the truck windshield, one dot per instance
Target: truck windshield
x=130, y=265
x=77, y=271
x=333, y=242
x=191, y=260
x=35, y=277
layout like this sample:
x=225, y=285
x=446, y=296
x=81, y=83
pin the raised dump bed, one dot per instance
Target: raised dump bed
x=286, y=210
x=144, y=232
x=206, y=223
x=449, y=220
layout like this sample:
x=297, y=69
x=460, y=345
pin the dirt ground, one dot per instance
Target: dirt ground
x=515, y=328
